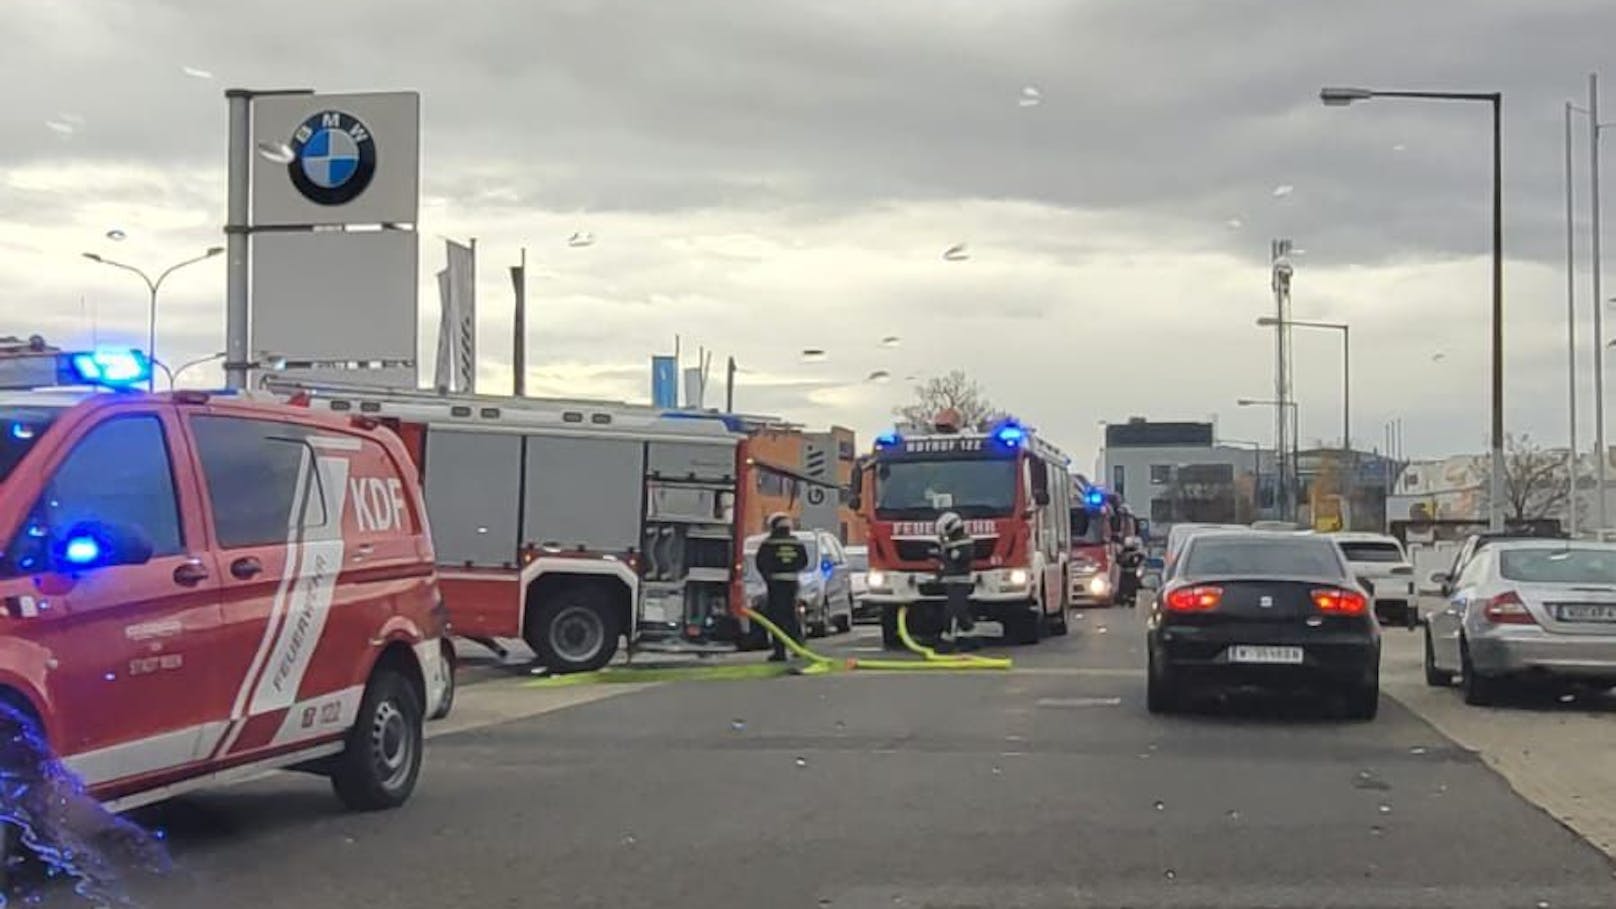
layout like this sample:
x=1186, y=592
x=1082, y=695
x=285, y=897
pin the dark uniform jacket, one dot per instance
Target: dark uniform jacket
x=955, y=555
x=779, y=559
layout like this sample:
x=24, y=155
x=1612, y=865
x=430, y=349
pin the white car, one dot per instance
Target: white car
x=858, y=575
x=1380, y=560
x=824, y=590
x=1524, y=610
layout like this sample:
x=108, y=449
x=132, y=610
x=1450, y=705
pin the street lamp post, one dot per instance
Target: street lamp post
x=1346, y=368
x=154, y=286
x=1291, y=483
x=1340, y=97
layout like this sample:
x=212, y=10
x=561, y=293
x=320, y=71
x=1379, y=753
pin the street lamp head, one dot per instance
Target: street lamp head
x=1341, y=97
x=91, y=256
x=1245, y=402
x=214, y=250
x=1266, y=321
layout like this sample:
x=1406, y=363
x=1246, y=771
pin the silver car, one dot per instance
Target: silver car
x=1526, y=609
x=824, y=590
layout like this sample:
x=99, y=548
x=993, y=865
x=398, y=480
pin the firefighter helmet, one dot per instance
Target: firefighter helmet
x=779, y=522
x=949, y=524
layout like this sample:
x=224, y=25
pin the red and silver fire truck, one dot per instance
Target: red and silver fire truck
x=1012, y=489
x=1096, y=542
x=572, y=525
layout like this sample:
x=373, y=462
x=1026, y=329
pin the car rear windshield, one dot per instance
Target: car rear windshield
x=1372, y=552
x=1217, y=555
x=1559, y=566
x=22, y=428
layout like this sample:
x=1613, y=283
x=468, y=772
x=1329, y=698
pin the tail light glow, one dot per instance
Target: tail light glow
x=1194, y=599
x=1507, y=609
x=1336, y=601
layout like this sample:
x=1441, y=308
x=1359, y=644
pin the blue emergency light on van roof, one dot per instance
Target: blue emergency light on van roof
x=110, y=368
x=888, y=439
x=1009, y=435
x=1095, y=498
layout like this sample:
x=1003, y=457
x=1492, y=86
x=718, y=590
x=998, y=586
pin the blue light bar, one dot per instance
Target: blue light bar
x=22, y=431
x=110, y=368
x=1010, y=435
x=888, y=439
x=1096, y=498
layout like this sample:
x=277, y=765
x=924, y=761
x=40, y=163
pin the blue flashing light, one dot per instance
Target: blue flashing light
x=1095, y=498
x=826, y=566
x=888, y=439
x=1010, y=435
x=111, y=368
x=81, y=550
x=22, y=431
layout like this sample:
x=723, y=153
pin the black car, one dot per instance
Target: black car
x=1263, y=609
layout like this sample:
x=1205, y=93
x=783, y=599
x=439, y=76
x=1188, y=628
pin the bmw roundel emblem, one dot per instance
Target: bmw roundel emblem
x=334, y=158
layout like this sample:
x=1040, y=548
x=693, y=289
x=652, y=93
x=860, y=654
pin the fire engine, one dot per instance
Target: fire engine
x=1095, y=572
x=1012, y=489
x=574, y=525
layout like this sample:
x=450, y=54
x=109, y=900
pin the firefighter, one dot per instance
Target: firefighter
x=780, y=559
x=955, y=549
x=1130, y=561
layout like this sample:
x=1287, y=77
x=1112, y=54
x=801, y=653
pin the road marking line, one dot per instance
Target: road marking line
x=1080, y=702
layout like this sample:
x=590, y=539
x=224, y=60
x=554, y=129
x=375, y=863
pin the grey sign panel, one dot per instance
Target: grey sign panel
x=819, y=502
x=326, y=295
x=471, y=478
x=583, y=492
x=356, y=159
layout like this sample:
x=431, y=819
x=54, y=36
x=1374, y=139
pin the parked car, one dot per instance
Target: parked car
x=1252, y=608
x=199, y=587
x=858, y=577
x=1523, y=610
x=1467, y=551
x=1380, y=562
x=824, y=591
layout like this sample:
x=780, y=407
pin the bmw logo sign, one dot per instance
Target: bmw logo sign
x=334, y=158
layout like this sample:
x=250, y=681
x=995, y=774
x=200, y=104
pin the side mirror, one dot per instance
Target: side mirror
x=1040, y=497
x=1439, y=578
x=1367, y=585
x=87, y=546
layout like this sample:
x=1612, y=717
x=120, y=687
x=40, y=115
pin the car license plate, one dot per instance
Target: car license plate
x=1260, y=653
x=1586, y=612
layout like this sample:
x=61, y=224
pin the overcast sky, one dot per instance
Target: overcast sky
x=764, y=177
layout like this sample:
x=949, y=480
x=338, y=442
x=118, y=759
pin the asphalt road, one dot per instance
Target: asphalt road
x=1046, y=786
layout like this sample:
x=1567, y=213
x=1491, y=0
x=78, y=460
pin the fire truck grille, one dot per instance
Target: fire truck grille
x=922, y=550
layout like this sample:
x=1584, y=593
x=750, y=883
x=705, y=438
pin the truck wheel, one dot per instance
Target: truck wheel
x=1026, y=627
x=1057, y=623
x=382, y=760
x=575, y=631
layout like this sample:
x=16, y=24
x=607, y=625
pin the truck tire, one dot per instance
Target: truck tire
x=1026, y=626
x=379, y=766
x=575, y=630
x=1057, y=623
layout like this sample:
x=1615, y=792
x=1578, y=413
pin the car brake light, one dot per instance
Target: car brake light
x=1335, y=601
x=1507, y=609
x=1194, y=599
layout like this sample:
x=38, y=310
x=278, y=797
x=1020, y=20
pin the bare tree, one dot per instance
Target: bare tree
x=1535, y=482
x=956, y=390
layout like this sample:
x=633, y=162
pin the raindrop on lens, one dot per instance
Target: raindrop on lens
x=1161, y=806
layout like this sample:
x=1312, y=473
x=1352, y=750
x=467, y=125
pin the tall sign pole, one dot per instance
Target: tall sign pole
x=236, y=355
x=519, y=350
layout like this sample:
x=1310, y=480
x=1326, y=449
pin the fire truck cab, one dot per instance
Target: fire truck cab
x=1095, y=572
x=1012, y=489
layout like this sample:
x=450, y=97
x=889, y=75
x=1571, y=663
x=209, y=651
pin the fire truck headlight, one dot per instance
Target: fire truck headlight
x=1099, y=585
x=877, y=580
x=1019, y=577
